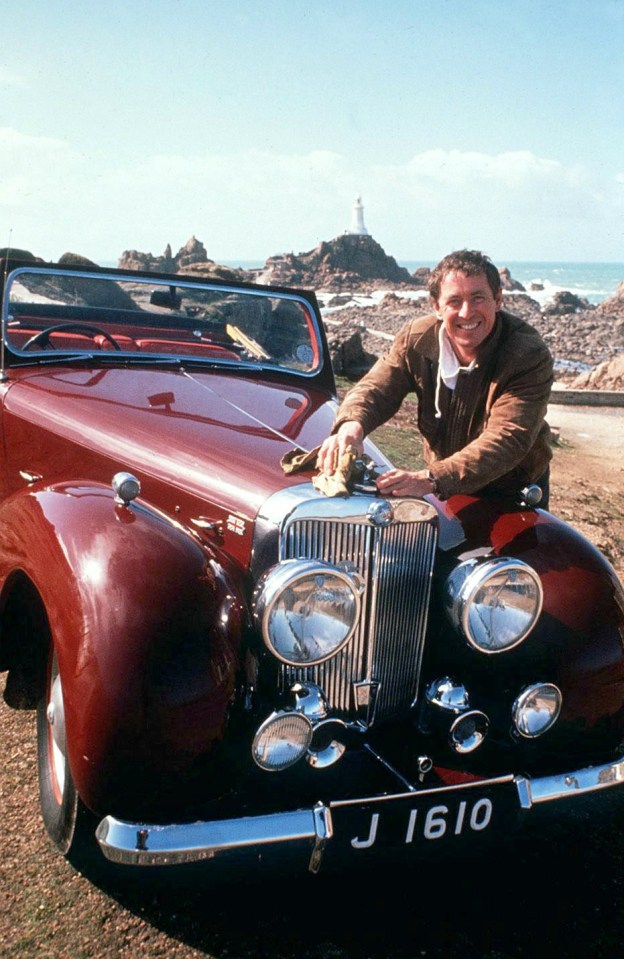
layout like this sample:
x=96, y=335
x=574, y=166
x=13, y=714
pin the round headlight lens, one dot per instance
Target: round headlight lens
x=495, y=603
x=281, y=741
x=536, y=709
x=307, y=611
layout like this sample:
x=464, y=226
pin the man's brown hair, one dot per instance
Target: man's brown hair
x=468, y=262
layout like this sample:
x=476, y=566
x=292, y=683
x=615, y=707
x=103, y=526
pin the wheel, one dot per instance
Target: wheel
x=81, y=329
x=67, y=821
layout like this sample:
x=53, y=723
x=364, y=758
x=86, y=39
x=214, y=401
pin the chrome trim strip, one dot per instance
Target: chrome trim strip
x=310, y=504
x=550, y=788
x=178, y=843
x=324, y=832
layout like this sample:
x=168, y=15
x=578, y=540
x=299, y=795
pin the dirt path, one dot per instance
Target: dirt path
x=588, y=474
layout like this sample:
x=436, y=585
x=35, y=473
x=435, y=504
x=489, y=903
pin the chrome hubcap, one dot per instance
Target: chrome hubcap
x=56, y=719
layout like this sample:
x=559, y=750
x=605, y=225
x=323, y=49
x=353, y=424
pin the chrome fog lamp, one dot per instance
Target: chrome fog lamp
x=281, y=740
x=450, y=714
x=468, y=731
x=536, y=709
x=495, y=603
x=307, y=610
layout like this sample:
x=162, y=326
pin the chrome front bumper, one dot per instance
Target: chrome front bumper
x=304, y=831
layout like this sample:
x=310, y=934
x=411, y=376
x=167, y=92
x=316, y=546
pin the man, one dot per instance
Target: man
x=482, y=378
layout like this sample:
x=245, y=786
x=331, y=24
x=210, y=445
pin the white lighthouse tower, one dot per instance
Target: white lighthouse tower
x=357, y=227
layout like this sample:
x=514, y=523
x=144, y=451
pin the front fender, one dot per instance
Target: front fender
x=578, y=641
x=147, y=625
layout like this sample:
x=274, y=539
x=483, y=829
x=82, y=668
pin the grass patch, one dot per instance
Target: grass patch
x=401, y=445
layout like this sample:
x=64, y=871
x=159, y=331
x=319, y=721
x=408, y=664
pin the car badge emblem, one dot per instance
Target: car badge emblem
x=380, y=513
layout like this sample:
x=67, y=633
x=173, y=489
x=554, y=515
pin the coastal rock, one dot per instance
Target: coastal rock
x=614, y=304
x=348, y=356
x=606, y=376
x=521, y=304
x=421, y=276
x=135, y=260
x=373, y=327
x=214, y=271
x=565, y=302
x=25, y=255
x=576, y=340
x=507, y=281
x=343, y=263
x=193, y=252
x=76, y=259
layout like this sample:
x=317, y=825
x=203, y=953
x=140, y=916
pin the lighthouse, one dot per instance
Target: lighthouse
x=357, y=227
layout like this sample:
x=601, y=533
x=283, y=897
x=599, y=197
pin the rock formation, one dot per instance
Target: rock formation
x=614, y=304
x=507, y=281
x=190, y=260
x=346, y=262
x=348, y=355
x=606, y=376
x=24, y=255
x=421, y=275
x=564, y=302
x=191, y=253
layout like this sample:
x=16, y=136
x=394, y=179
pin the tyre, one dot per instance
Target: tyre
x=67, y=821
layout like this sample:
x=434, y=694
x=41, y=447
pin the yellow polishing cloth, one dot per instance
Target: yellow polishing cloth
x=333, y=484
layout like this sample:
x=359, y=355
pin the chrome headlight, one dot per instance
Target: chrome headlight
x=536, y=709
x=307, y=610
x=494, y=602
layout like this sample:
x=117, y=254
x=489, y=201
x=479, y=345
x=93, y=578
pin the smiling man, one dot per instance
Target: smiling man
x=482, y=378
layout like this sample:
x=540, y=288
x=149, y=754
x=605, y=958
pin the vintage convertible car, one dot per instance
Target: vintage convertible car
x=226, y=662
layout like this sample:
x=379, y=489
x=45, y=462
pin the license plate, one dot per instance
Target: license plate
x=448, y=814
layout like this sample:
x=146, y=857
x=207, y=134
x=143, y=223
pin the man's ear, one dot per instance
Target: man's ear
x=435, y=305
x=499, y=299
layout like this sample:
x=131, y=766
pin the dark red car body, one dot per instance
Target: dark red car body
x=133, y=622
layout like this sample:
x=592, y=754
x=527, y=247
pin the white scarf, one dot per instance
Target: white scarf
x=448, y=367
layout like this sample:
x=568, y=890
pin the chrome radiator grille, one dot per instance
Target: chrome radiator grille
x=376, y=675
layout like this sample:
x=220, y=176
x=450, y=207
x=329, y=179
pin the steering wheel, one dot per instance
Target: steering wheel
x=42, y=338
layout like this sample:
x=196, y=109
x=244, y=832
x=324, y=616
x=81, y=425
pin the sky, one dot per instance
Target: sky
x=489, y=124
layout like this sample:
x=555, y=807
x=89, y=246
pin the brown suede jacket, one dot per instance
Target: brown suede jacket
x=491, y=435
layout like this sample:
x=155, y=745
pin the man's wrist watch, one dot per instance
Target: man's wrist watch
x=433, y=481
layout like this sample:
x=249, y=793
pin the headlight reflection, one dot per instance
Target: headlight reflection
x=495, y=603
x=307, y=611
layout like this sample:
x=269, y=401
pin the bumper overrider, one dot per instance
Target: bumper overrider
x=399, y=821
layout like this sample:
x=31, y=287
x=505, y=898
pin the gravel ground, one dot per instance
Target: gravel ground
x=558, y=889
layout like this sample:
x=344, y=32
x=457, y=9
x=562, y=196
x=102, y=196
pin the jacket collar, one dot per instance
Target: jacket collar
x=430, y=342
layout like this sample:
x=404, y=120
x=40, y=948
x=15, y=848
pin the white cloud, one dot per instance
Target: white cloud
x=255, y=203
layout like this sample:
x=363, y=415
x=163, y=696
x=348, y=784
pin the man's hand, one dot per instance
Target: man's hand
x=348, y=434
x=404, y=483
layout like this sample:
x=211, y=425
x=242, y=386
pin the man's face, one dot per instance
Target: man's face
x=468, y=310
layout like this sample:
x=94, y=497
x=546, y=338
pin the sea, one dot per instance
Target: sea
x=594, y=281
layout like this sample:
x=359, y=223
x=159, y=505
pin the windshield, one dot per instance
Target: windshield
x=48, y=310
